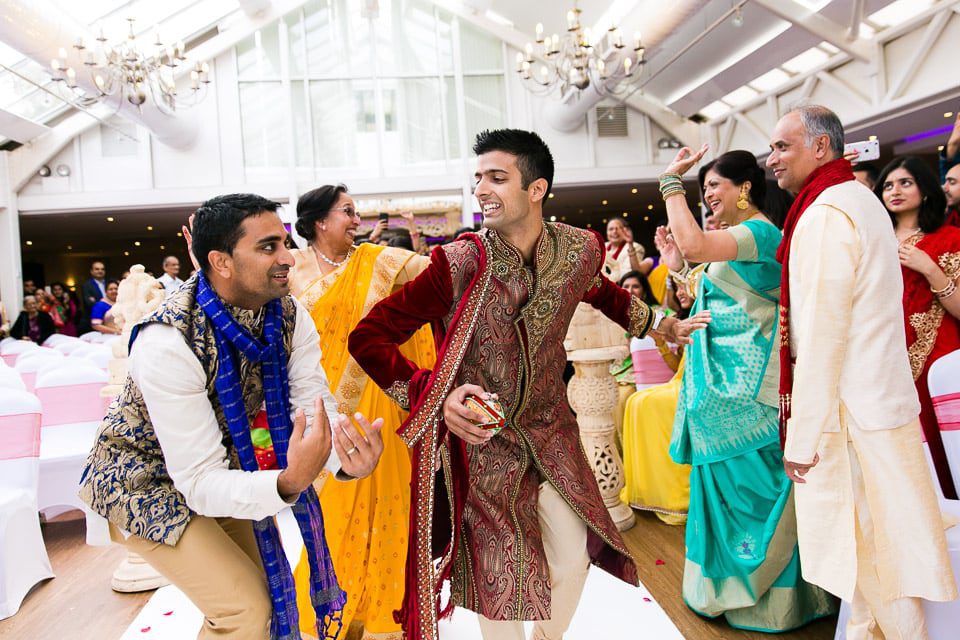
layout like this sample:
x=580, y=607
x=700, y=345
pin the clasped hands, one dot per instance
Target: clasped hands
x=307, y=453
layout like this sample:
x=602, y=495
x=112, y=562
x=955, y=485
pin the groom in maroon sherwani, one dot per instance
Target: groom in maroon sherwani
x=521, y=517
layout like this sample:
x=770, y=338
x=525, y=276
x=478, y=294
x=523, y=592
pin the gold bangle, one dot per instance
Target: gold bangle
x=947, y=291
x=950, y=284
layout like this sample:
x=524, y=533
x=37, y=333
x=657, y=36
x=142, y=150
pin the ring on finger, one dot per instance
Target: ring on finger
x=351, y=451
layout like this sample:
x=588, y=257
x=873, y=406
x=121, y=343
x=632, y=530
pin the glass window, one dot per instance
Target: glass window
x=480, y=51
x=338, y=40
x=406, y=37
x=258, y=57
x=295, y=40
x=365, y=108
x=301, y=124
x=338, y=139
x=485, y=103
x=419, y=116
x=263, y=124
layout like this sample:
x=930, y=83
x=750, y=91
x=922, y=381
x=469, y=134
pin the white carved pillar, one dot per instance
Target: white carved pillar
x=593, y=343
x=593, y=395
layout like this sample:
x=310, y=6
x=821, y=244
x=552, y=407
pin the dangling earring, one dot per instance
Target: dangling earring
x=742, y=203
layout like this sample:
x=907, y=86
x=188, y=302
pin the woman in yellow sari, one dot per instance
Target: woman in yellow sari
x=365, y=520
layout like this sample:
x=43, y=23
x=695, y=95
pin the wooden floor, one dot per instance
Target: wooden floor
x=651, y=540
x=78, y=604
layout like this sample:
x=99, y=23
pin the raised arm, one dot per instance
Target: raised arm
x=694, y=243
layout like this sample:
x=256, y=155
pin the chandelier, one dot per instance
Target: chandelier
x=580, y=60
x=129, y=72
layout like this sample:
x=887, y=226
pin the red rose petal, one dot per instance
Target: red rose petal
x=168, y=613
x=660, y=562
x=145, y=629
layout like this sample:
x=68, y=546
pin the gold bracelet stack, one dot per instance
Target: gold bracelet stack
x=671, y=184
x=947, y=291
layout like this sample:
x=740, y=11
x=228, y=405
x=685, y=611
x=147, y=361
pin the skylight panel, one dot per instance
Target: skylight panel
x=806, y=61
x=898, y=11
x=770, y=80
x=715, y=110
x=814, y=5
x=740, y=96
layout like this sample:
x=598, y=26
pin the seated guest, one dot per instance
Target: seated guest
x=653, y=481
x=931, y=306
x=32, y=324
x=100, y=317
x=188, y=466
x=171, y=271
x=623, y=254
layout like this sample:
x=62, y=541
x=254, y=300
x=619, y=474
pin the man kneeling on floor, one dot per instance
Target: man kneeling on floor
x=200, y=451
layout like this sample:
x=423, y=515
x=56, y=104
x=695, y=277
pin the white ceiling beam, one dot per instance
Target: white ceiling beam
x=856, y=17
x=253, y=7
x=930, y=35
x=819, y=26
x=18, y=128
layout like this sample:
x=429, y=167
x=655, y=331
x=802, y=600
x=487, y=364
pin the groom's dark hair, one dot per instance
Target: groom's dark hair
x=218, y=223
x=533, y=155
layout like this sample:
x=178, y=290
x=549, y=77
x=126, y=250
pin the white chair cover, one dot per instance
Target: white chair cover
x=11, y=350
x=10, y=379
x=23, y=557
x=32, y=362
x=91, y=336
x=56, y=339
x=68, y=346
x=72, y=412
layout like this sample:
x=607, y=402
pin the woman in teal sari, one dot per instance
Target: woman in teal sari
x=741, y=541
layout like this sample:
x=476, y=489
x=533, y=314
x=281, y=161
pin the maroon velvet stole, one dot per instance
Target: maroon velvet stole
x=424, y=431
x=931, y=334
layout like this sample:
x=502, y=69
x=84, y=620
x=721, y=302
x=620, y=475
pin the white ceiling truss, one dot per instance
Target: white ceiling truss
x=910, y=67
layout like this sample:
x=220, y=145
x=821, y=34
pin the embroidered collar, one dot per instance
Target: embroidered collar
x=504, y=251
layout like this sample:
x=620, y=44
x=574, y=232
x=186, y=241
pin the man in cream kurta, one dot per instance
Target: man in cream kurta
x=868, y=521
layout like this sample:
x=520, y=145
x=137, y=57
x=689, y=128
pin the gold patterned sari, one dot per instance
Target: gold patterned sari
x=366, y=521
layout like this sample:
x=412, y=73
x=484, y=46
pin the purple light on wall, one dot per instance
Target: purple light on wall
x=932, y=133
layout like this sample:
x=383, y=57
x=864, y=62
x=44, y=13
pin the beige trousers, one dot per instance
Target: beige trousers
x=565, y=546
x=217, y=565
x=871, y=618
x=870, y=530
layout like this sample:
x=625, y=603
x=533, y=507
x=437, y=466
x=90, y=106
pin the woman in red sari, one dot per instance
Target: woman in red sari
x=930, y=262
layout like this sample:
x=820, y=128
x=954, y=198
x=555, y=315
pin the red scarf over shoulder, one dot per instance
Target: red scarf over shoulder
x=822, y=178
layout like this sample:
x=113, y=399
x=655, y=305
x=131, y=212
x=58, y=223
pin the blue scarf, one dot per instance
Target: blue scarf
x=325, y=594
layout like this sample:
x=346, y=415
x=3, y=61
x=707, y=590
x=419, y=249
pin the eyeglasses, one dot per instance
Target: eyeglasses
x=347, y=209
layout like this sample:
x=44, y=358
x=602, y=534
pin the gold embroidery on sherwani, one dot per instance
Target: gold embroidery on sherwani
x=927, y=324
x=399, y=392
x=640, y=317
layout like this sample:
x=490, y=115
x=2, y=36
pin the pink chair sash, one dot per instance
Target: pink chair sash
x=29, y=380
x=947, y=408
x=71, y=403
x=10, y=358
x=649, y=367
x=20, y=436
